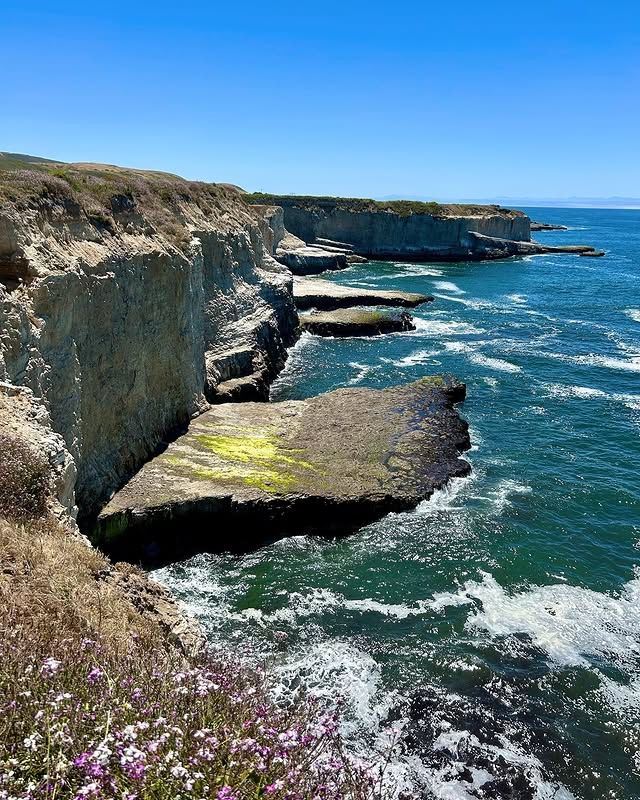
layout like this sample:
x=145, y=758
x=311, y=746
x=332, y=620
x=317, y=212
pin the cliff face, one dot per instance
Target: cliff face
x=123, y=322
x=376, y=230
x=387, y=235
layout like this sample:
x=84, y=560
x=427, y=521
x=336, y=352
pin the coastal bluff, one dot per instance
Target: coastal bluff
x=406, y=230
x=332, y=232
x=246, y=472
x=129, y=301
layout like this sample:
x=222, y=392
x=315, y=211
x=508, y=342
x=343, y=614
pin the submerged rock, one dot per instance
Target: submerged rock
x=247, y=472
x=356, y=322
x=325, y=295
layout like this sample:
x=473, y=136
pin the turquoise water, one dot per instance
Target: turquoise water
x=498, y=625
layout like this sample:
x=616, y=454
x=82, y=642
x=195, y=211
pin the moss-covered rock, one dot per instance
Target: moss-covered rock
x=246, y=472
x=356, y=322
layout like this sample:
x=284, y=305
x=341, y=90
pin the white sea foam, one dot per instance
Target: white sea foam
x=633, y=313
x=362, y=371
x=631, y=364
x=446, y=498
x=554, y=618
x=438, y=327
x=503, y=491
x=480, y=359
x=582, y=392
x=517, y=299
x=415, y=271
x=631, y=401
x=448, y=286
x=418, y=357
x=451, y=782
x=319, y=601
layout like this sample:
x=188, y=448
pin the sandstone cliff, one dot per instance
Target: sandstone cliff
x=127, y=301
x=401, y=229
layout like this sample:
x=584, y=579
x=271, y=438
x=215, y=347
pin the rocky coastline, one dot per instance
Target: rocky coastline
x=142, y=321
x=356, y=322
x=325, y=232
x=139, y=311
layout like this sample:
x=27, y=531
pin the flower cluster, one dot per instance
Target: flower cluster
x=82, y=723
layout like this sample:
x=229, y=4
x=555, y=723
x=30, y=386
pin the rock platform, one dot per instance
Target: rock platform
x=246, y=473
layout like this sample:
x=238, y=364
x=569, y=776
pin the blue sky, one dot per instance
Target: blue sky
x=435, y=99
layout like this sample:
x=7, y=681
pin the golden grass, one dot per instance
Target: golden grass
x=52, y=582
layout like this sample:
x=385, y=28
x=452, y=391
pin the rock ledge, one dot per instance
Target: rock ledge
x=248, y=472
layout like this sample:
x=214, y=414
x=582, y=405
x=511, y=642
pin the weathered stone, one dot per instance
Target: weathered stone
x=123, y=336
x=157, y=605
x=413, y=231
x=492, y=248
x=356, y=322
x=316, y=293
x=311, y=260
x=246, y=472
x=547, y=226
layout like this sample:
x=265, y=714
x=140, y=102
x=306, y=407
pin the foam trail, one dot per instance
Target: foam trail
x=500, y=495
x=436, y=327
x=448, y=286
x=633, y=313
x=363, y=371
x=553, y=618
x=413, y=359
x=480, y=359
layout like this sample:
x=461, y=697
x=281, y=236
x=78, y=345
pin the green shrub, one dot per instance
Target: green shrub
x=25, y=479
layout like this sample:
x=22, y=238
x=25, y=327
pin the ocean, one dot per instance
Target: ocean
x=494, y=632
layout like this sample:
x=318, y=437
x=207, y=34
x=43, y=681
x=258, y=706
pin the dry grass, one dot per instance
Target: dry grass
x=95, y=704
x=112, y=199
x=403, y=208
x=54, y=584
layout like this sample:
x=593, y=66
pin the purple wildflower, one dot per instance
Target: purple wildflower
x=94, y=675
x=226, y=793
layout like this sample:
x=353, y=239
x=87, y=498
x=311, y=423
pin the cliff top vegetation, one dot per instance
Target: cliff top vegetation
x=111, y=198
x=403, y=208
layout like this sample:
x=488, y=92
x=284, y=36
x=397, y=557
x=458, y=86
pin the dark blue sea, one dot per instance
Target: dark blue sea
x=495, y=630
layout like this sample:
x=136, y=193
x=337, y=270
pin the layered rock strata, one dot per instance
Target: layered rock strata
x=326, y=465
x=413, y=231
x=128, y=300
x=408, y=231
x=547, y=226
x=304, y=259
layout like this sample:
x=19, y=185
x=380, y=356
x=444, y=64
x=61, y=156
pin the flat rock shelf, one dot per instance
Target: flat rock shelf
x=248, y=473
x=317, y=293
x=356, y=322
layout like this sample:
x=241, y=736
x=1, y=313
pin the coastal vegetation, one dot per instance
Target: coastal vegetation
x=97, y=702
x=403, y=208
x=107, y=197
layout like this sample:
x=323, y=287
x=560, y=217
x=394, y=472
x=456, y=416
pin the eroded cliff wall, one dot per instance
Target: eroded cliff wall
x=385, y=234
x=402, y=230
x=123, y=323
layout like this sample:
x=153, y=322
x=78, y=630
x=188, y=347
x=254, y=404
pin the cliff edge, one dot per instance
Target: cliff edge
x=129, y=300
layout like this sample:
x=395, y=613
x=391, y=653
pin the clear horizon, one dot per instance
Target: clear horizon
x=348, y=99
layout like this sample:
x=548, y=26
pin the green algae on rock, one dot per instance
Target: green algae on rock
x=247, y=472
x=356, y=322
